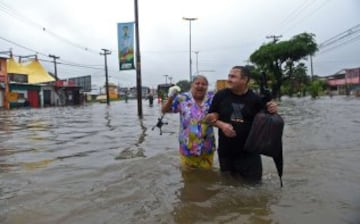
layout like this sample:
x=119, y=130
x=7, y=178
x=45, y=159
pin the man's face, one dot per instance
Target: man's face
x=236, y=81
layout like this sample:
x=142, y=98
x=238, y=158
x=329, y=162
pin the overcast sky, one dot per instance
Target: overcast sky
x=225, y=34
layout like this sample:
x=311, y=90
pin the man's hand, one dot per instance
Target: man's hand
x=272, y=107
x=226, y=128
x=173, y=91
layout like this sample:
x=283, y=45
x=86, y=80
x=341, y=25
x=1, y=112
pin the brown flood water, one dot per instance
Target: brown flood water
x=99, y=164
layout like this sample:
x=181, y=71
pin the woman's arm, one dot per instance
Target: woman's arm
x=211, y=118
x=166, y=107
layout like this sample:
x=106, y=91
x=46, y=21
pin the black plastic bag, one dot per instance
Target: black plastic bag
x=265, y=138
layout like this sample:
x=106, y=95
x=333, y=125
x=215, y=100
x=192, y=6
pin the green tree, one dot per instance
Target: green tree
x=276, y=57
x=315, y=88
x=297, y=82
x=184, y=85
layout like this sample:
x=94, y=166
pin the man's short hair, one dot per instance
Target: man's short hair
x=244, y=70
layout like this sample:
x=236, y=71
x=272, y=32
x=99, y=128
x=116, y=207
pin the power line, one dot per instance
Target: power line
x=343, y=38
x=352, y=31
x=15, y=14
x=295, y=12
x=297, y=20
x=354, y=39
x=46, y=55
x=22, y=46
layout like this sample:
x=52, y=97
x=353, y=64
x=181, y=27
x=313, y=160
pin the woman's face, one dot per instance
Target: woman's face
x=199, y=88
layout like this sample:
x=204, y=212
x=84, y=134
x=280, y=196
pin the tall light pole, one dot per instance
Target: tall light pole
x=190, y=61
x=197, y=62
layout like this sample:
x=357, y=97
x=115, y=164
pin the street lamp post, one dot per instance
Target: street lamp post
x=197, y=62
x=190, y=61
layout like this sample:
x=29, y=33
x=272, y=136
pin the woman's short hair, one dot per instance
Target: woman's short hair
x=200, y=77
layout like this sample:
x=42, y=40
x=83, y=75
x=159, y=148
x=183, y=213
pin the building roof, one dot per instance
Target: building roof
x=33, y=69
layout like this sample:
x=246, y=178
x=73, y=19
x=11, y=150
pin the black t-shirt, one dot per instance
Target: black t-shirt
x=238, y=110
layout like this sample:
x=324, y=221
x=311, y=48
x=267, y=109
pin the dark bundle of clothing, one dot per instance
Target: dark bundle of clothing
x=265, y=138
x=266, y=132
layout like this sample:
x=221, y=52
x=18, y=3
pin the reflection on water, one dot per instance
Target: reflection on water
x=214, y=198
x=102, y=164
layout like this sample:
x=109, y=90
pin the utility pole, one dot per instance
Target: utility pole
x=54, y=58
x=311, y=67
x=166, y=77
x=274, y=37
x=106, y=52
x=138, y=61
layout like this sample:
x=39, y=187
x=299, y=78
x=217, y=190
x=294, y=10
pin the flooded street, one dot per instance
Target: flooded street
x=99, y=164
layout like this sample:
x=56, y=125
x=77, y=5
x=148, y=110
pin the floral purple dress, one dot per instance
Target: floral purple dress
x=196, y=136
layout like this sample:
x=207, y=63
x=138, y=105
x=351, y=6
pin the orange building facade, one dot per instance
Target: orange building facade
x=4, y=85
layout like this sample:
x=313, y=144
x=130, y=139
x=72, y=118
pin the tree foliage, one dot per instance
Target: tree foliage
x=315, y=88
x=184, y=85
x=277, y=59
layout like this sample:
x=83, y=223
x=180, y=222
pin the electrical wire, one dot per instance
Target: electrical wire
x=292, y=26
x=17, y=15
x=354, y=39
x=352, y=31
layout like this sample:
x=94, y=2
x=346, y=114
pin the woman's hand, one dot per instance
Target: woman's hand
x=211, y=118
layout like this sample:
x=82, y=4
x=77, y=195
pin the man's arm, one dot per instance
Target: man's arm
x=213, y=117
x=226, y=128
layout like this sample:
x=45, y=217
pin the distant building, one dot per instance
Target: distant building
x=344, y=82
x=144, y=92
x=30, y=85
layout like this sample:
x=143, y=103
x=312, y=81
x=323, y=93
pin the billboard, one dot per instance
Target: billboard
x=126, y=45
x=83, y=81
